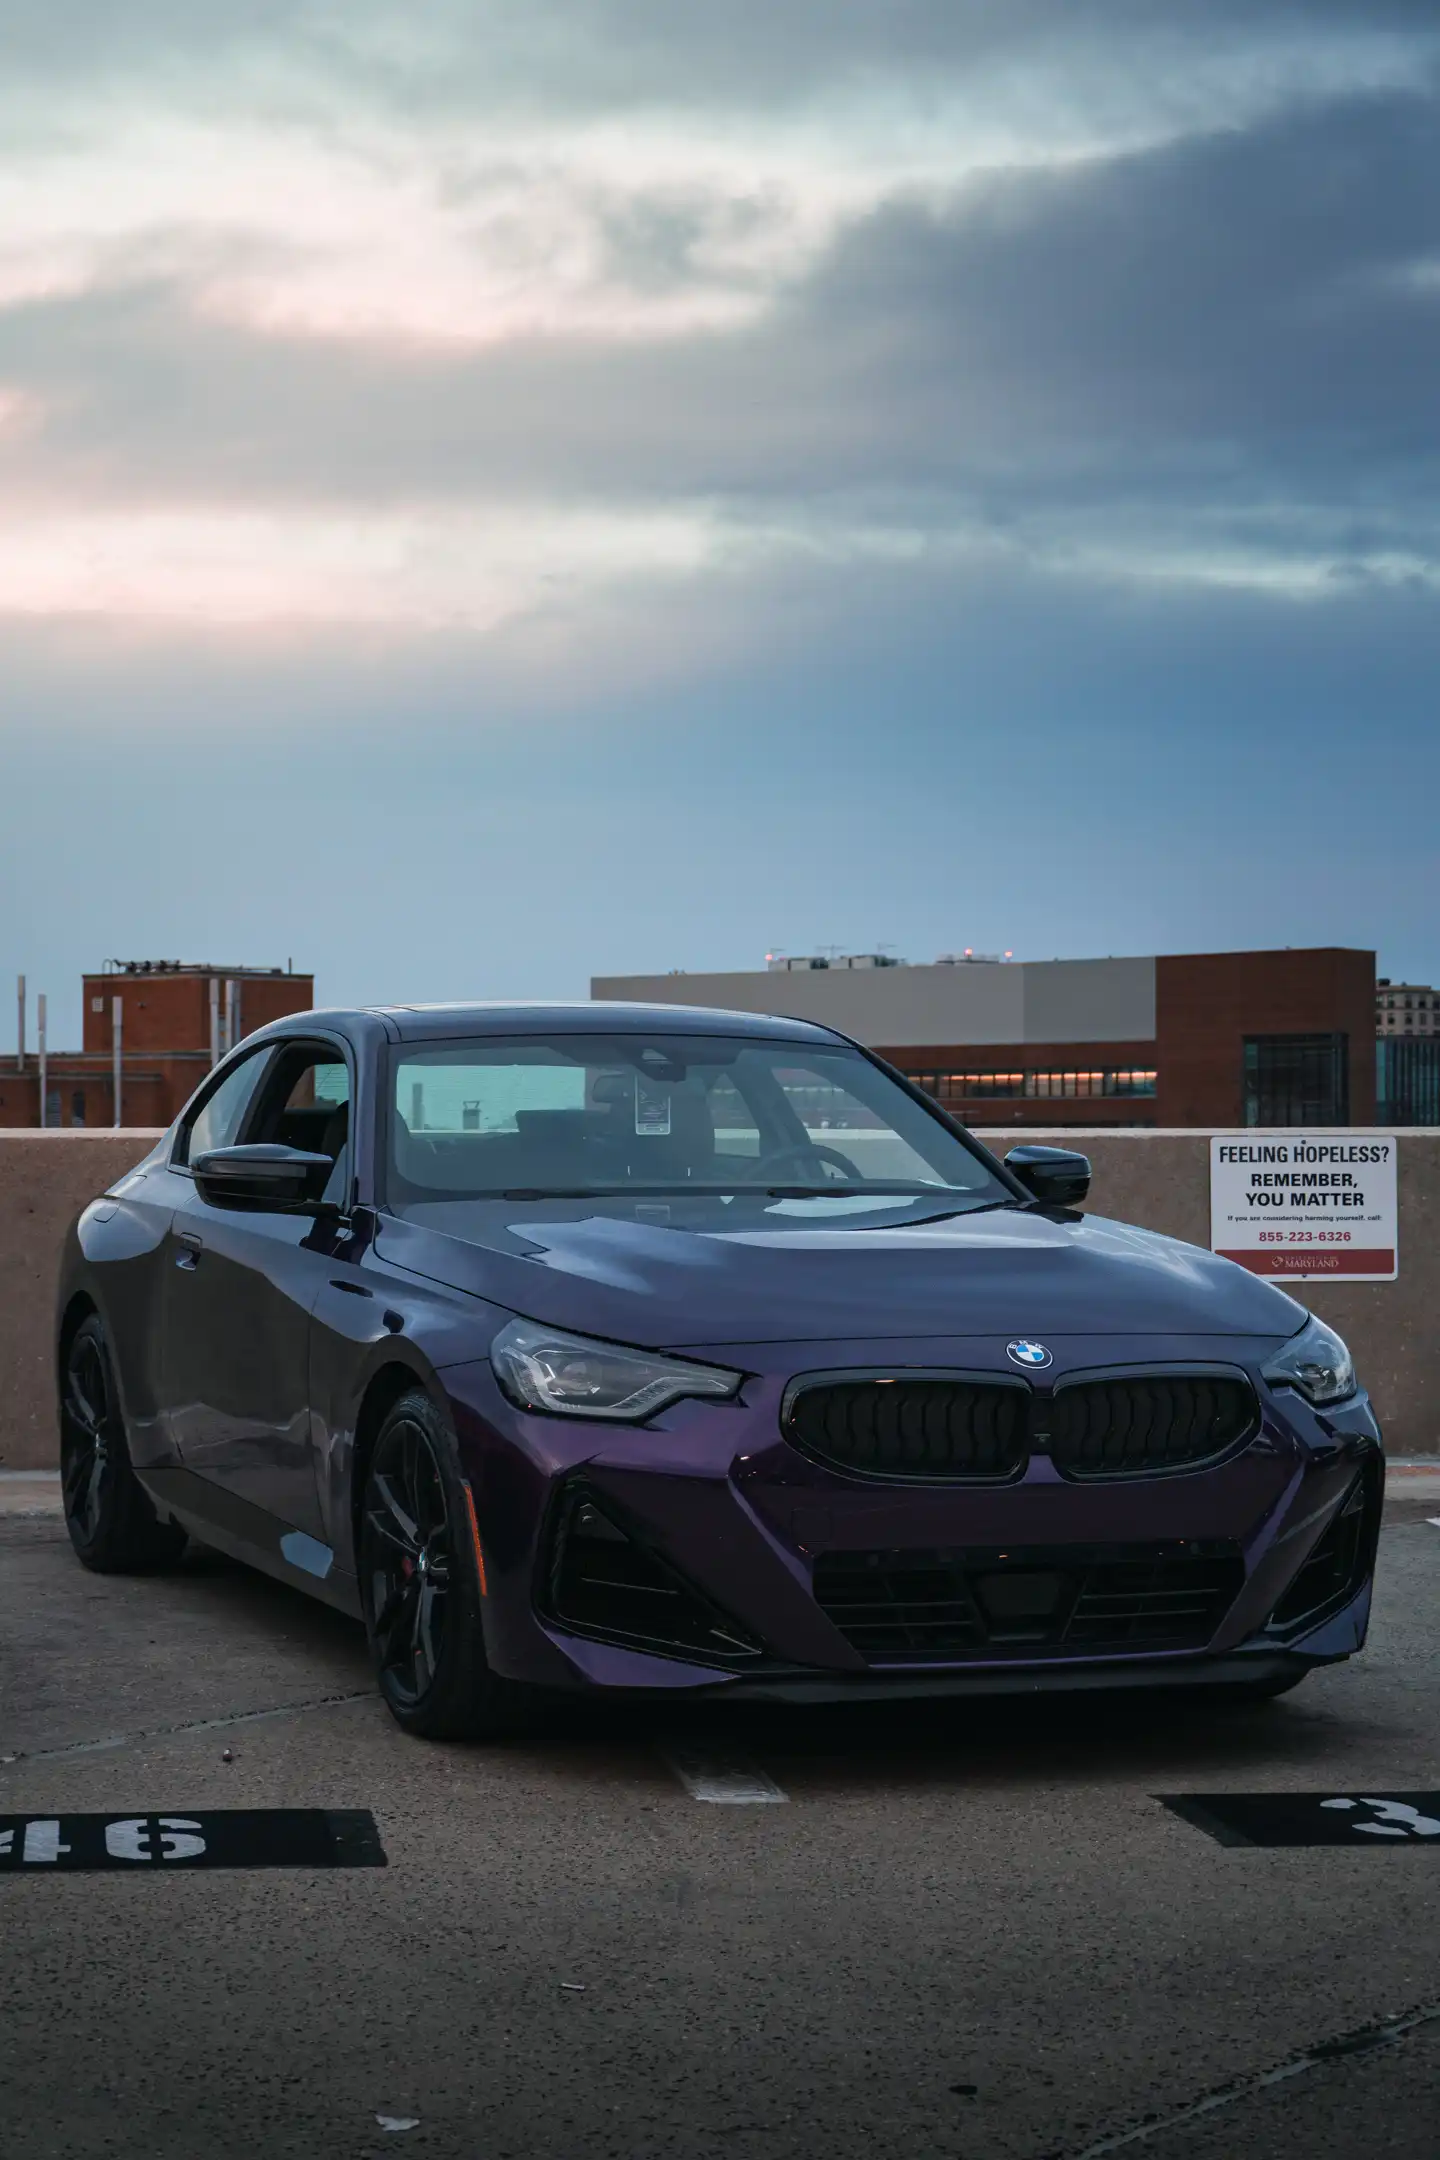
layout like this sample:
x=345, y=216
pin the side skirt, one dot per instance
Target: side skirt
x=246, y=1533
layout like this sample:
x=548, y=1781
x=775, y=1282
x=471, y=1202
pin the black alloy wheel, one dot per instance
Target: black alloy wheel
x=421, y=1586
x=409, y=1560
x=111, y=1520
x=89, y=1419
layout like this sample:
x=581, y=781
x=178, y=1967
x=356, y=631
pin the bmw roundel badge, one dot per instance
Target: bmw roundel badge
x=1032, y=1355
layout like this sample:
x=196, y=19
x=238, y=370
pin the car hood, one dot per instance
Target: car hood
x=992, y=1273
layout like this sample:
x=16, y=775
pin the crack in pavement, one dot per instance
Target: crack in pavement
x=1363, y=2040
x=165, y=1732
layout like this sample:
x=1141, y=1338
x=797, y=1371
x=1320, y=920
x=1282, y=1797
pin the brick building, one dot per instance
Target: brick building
x=175, y=1019
x=1203, y=1039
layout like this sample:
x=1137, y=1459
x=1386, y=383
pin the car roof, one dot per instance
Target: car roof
x=431, y=1023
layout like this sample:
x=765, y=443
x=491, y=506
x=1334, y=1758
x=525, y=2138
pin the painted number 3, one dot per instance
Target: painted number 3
x=1393, y=1818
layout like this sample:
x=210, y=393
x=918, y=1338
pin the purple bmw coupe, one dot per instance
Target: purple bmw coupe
x=617, y=1349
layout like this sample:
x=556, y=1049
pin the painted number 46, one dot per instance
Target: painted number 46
x=131, y=1838
x=1393, y=1818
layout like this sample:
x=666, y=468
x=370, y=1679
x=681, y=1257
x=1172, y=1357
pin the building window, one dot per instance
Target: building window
x=77, y=1107
x=1048, y=1086
x=1297, y=1079
x=1407, y=1082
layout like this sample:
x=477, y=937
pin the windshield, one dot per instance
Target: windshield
x=570, y=1116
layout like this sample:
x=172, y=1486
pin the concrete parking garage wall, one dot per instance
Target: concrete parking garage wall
x=1160, y=1179
x=45, y=1180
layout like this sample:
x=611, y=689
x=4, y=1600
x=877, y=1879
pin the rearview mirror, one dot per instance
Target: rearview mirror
x=265, y=1175
x=1057, y=1176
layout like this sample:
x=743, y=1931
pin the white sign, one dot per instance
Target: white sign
x=1306, y=1204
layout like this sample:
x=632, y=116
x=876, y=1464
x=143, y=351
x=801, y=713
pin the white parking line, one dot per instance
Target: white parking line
x=1434, y=1521
x=725, y=1780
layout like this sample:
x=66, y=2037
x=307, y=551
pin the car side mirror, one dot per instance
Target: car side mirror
x=1057, y=1176
x=263, y=1175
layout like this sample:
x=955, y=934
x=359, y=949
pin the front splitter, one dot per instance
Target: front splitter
x=1257, y=1668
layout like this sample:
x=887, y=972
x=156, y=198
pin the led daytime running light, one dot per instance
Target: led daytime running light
x=563, y=1375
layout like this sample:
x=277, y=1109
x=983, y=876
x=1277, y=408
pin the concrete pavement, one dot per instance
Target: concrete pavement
x=569, y=1954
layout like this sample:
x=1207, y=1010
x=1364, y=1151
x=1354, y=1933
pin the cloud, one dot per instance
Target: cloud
x=474, y=172
x=465, y=332
x=663, y=481
x=578, y=55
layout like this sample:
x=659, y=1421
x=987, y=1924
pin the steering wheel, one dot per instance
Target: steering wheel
x=810, y=1151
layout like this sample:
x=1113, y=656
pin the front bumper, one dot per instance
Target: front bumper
x=715, y=1502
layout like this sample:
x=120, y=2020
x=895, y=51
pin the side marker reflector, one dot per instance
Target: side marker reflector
x=307, y=1553
x=475, y=1535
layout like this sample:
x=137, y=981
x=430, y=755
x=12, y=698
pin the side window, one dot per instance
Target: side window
x=218, y=1121
x=306, y=1104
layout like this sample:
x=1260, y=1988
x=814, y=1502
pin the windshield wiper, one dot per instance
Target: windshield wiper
x=604, y=1192
x=873, y=1188
x=738, y=1188
x=539, y=1192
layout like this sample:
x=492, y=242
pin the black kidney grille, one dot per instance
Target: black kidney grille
x=1141, y=1423
x=895, y=1607
x=913, y=1428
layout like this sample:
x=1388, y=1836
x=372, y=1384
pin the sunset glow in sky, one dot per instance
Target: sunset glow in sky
x=658, y=483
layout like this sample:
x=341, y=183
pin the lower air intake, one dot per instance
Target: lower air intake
x=606, y=1585
x=1342, y=1559
x=895, y=1607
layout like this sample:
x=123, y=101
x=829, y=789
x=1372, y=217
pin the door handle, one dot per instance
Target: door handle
x=189, y=1257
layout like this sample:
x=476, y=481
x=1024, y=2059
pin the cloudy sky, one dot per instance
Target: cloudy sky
x=500, y=491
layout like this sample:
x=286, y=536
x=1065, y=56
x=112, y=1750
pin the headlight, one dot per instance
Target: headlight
x=1316, y=1362
x=542, y=1368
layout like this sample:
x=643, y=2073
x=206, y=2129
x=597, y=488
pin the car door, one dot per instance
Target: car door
x=241, y=1286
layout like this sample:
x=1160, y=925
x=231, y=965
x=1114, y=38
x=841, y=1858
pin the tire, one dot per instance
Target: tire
x=110, y=1517
x=420, y=1585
